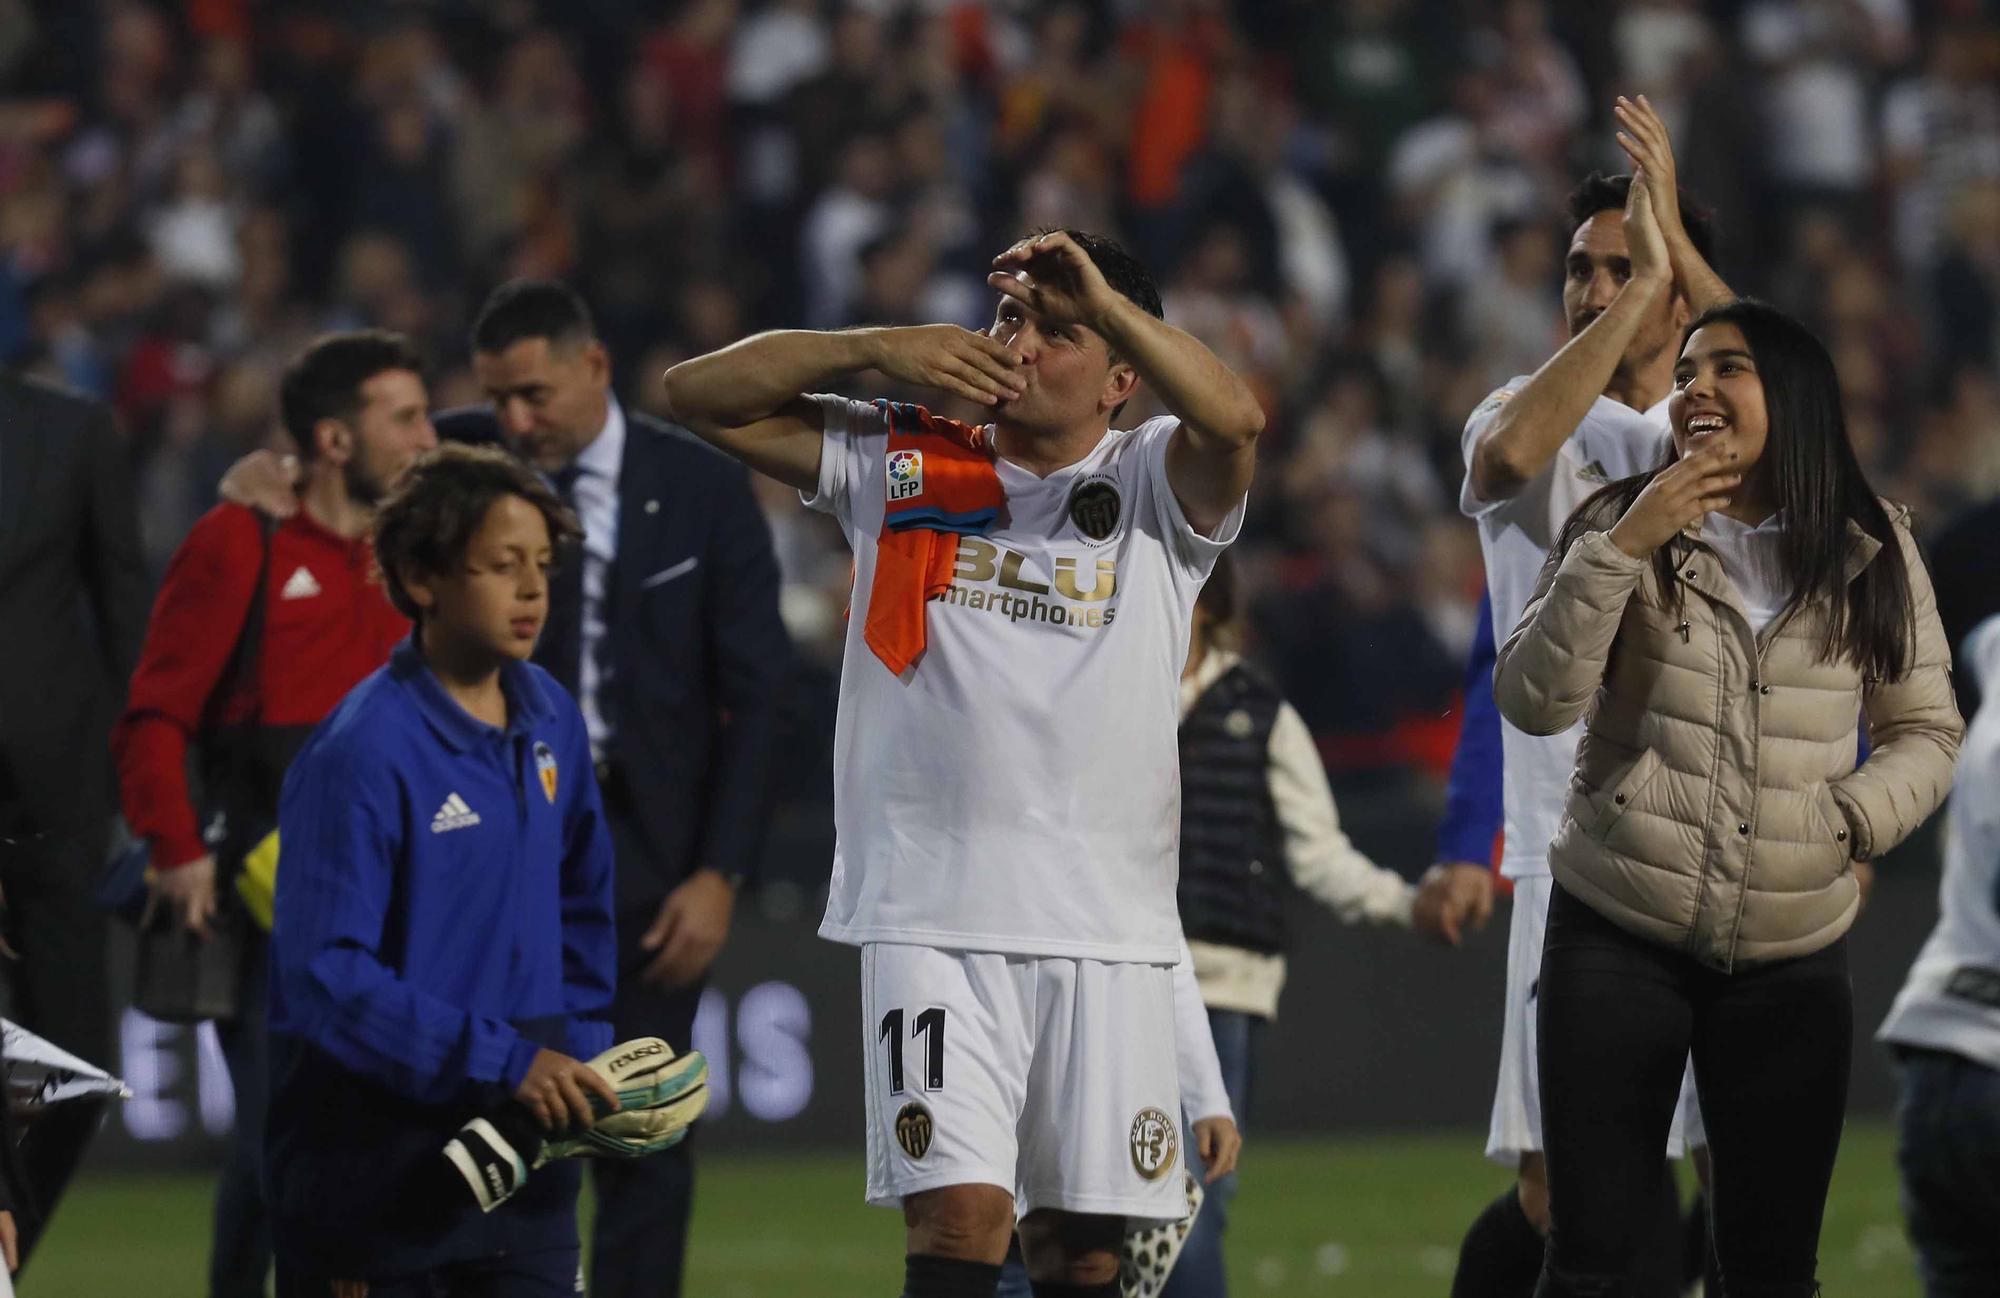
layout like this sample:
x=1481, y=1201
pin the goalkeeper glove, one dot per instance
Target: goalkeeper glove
x=660, y=1094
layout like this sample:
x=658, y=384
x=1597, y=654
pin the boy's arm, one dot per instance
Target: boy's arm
x=1321, y=859
x=589, y=937
x=342, y=839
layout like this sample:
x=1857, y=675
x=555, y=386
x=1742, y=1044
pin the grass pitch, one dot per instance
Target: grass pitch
x=1374, y=1215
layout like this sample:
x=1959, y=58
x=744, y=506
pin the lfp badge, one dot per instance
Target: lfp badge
x=906, y=475
x=545, y=766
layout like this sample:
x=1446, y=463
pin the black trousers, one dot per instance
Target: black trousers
x=239, y=1259
x=1617, y=1019
x=638, y=1246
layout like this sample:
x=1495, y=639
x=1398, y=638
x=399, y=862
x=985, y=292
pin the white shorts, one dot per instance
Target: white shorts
x=1052, y=1078
x=1517, y=1100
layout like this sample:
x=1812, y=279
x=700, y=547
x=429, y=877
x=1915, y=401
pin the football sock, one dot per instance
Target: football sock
x=1050, y=1289
x=925, y=1275
x=1502, y=1253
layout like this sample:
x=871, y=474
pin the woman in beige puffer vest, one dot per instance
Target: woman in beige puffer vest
x=1720, y=624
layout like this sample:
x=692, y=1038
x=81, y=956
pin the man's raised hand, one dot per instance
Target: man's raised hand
x=950, y=359
x=1056, y=279
x=1645, y=141
x=1644, y=240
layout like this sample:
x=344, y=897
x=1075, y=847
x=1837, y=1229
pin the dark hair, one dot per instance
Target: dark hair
x=1819, y=488
x=324, y=381
x=1598, y=192
x=427, y=522
x=522, y=309
x=1121, y=270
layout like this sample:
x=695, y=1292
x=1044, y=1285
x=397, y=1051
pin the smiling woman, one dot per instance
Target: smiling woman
x=1718, y=624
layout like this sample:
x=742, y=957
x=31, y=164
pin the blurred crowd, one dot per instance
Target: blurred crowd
x=1357, y=204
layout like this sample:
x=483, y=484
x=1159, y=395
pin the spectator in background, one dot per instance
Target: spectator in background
x=1455, y=175
x=1508, y=313
x=1940, y=133
x=73, y=600
x=1817, y=58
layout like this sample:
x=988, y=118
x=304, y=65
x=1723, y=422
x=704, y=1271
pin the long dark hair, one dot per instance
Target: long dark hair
x=1819, y=488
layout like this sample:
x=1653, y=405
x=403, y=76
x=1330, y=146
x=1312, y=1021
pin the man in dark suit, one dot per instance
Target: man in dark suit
x=666, y=629
x=72, y=613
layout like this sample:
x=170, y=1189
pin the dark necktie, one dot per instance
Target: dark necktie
x=560, y=650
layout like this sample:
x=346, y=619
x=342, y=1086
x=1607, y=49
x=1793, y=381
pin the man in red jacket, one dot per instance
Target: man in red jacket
x=258, y=631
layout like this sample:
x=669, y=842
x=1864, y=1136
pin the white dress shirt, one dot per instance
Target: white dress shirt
x=596, y=498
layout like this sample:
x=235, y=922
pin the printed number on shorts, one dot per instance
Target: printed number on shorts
x=928, y=1024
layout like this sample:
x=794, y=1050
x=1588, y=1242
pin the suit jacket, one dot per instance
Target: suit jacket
x=73, y=594
x=700, y=662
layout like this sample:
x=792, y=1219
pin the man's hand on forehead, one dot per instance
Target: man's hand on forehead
x=1055, y=278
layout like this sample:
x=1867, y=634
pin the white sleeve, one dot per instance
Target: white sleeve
x=1194, y=552
x=844, y=446
x=1202, y=1092
x=1322, y=861
x=1476, y=424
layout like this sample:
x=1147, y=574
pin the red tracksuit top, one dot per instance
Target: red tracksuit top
x=327, y=624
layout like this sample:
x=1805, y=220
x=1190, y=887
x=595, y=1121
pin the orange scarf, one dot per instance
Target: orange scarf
x=940, y=484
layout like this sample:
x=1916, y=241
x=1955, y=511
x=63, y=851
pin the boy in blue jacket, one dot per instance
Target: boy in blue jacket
x=443, y=937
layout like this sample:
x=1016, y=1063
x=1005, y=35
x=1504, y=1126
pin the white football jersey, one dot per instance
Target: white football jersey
x=1018, y=789
x=1613, y=441
x=1951, y=1000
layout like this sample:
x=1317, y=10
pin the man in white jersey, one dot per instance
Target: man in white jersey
x=1635, y=273
x=1945, y=1024
x=1007, y=805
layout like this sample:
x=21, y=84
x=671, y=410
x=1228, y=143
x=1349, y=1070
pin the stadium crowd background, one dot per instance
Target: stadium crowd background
x=1358, y=205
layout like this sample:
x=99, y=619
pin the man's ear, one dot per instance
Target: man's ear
x=333, y=441
x=1683, y=313
x=597, y=360
x=1119, y=385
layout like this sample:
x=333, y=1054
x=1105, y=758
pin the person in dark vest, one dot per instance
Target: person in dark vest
x=258, y=631
x=1258, y=823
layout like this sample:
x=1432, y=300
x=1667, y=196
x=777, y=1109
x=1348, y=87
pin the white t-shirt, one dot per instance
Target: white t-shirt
x=1613, y=441
x=1951, y=1000
x=1018, y=789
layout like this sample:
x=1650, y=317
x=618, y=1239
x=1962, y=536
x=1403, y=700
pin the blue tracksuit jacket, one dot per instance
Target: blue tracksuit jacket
x=444, y=909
